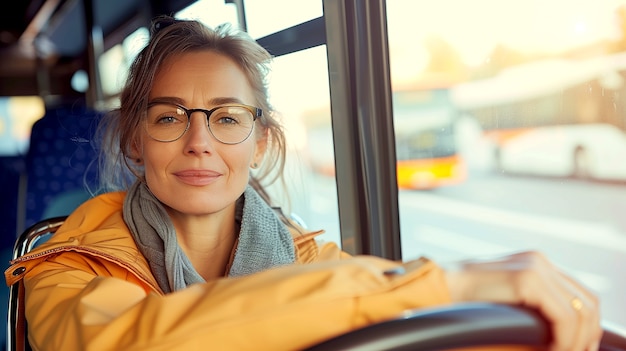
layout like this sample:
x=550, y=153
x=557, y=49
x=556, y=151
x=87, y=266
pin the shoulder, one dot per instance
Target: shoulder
x=310, y=249
x=99, y=221
x=104, y=210
x=95, y=230
x=106, y=202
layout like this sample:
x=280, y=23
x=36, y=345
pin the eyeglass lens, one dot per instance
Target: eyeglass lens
x=228, y=124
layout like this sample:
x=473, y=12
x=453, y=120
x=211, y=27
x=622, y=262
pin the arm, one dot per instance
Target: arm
x=69, y=306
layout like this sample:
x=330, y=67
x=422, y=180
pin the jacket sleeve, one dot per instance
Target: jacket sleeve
x=70, y=305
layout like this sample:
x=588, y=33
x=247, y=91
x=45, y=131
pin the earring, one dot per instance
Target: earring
x=254, y=165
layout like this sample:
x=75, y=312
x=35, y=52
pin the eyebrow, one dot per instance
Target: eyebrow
x=212, y=102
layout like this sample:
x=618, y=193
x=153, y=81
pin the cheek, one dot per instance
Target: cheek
x=239, y=160
x=241, y=157
x=155, y=160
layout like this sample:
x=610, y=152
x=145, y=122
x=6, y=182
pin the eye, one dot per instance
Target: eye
x=166, y=115
x=168, y=119
x=227, y=120
x=226, y=117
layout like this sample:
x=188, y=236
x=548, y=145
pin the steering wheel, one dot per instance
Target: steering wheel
x=457, y=326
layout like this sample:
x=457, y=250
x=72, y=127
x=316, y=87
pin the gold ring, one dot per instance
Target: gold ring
x=577, y=304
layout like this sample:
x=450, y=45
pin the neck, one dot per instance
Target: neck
x=208, y=240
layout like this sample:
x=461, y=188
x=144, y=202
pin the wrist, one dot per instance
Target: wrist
x=456, y=280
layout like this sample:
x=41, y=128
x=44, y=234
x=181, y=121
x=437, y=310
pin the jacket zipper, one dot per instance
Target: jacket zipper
x=101, y=254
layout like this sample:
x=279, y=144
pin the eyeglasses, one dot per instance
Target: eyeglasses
x=229, y=124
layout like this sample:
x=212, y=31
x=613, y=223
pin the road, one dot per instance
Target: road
x=579, y=225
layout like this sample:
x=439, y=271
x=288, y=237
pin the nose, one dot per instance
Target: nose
x=198, y=139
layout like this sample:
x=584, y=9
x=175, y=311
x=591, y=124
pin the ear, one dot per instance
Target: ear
x=136, y=152
x=259, y=150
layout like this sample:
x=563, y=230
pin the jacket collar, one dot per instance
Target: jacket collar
x=106, y=236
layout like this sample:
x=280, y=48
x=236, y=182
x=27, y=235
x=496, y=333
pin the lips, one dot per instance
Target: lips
x=197, y=177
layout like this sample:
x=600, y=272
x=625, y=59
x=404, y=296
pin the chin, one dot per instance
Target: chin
x=201, y=208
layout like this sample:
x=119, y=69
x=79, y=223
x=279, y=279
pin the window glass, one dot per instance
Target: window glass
x=302, y=101
x=211, y=12
x=17, y=116
x=510, y=133
x=115, y=62
x=265, y=17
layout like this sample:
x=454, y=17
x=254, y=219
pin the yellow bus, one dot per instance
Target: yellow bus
x=426, y=150
x=424, y=119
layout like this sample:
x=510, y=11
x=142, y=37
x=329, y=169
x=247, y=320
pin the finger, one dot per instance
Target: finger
x=583, y=315
x=581, y=311
x=583, y=302
x=564, y=321
x=530, y=279
x=588, y=307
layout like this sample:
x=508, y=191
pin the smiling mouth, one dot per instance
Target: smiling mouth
x=197, y=177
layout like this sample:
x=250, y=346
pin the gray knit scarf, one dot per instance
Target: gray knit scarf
x=264, y=241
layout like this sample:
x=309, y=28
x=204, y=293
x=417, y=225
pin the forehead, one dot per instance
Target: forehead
x=201, y=75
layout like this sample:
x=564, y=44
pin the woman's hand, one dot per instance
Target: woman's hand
x=529, y=279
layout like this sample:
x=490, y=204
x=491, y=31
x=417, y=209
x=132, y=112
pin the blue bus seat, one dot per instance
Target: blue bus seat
x=61, y=162
x=12, y=172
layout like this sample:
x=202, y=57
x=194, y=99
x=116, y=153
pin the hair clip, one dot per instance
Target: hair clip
x=162, y=22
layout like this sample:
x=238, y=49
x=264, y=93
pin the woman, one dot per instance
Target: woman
x=191, y=255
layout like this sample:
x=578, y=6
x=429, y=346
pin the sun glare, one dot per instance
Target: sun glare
x=474, y=28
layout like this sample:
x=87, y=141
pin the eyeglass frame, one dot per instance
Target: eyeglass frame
x=255, y=111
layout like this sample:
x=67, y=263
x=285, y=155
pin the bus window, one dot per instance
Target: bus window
x=305, y=112
x=211, y=12
x=17, y=116
x=537, y=121
x=262, y=15
x=114, y=63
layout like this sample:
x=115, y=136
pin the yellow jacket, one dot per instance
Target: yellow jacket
x=89, y=288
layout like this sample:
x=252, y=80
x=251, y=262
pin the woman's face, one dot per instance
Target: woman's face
x=196, y=174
